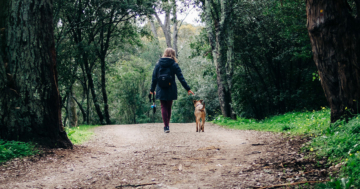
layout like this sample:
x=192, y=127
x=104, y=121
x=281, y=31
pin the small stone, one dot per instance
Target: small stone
x=180, y=167
x=267, y=171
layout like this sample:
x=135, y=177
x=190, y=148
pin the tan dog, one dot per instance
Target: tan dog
x=199, y=113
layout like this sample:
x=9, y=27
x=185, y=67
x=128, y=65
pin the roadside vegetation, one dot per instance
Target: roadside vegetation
x=311, y=123
x=338, y=142
x=80, y=134
x=16, y=149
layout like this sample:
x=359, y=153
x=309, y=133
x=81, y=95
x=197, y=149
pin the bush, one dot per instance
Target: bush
x=15, y=149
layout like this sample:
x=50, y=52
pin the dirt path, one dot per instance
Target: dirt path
x=143, y=154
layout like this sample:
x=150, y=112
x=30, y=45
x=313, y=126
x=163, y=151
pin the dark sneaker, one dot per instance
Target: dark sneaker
x=166, y=129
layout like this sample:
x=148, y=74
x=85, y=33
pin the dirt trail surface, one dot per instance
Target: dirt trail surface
x=143, y=156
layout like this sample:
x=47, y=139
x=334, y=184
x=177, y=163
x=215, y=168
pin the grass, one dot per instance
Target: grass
x=80, y=134
x=297, y=123
x=16, y=149
x=338, y=142
x=341, y=144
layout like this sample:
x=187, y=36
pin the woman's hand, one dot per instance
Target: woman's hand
x=190, y=92
x=152, y=92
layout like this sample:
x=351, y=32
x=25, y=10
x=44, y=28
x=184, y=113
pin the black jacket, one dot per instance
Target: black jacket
x=171, y=92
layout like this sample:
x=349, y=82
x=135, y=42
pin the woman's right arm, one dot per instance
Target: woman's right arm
x=154, y=80
x=181, y=77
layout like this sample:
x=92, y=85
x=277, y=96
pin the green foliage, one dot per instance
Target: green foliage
x=15, y=149
x=274, y=63
x=129, y=86
x=273, y=66
x=184, y=109
x=341, y=143
x=80, y=134
x=200, y=74
x=312, y=123
x=89, y=36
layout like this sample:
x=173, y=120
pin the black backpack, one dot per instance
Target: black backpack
x=165, y=77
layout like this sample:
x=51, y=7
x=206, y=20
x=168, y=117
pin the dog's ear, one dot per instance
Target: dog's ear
x=201, y=101
x=194, y=101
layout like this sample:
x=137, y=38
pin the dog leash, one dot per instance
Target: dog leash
x=153, y=106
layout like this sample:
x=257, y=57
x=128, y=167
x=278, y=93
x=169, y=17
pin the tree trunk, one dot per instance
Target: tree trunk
x=81, y=109
x=165, y=27
x=176, y=30
x=102, y=51
x=29, y=100
x=88, y=105
x=334, y=35
x=71, y=106
x=103, y=89
x=219, y=51
x=229, y=65
x=153, y=28
x=93, y=93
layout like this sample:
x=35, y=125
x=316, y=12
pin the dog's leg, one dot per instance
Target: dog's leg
x=203, y=124
x=198, y=126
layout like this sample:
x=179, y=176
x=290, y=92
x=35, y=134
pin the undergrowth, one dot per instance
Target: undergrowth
x=80, y=134
x=338, y=142
x=16, y=149
x=311, y=123
x=341, y=144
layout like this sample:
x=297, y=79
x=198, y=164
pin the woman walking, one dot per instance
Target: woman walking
x=163, y=79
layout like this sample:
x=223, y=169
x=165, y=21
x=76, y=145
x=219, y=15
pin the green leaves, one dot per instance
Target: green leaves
x=14, y=149
x=273, y=60
x=341, y=143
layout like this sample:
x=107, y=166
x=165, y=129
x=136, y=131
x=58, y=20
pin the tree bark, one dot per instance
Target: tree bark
x=176, y=30
x=88, y=105
x=218, y=42
x=165, y=27
x=29, y=100
x=153, y=28
x=334, y=35
x=91, y=87
x=103, y=46
x=81, y=109
x=71, y=106
x=103, y=90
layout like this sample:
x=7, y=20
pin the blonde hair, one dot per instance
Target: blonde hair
x=170, y=53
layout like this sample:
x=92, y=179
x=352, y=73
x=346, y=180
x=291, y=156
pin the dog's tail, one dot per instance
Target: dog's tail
x=203, y=107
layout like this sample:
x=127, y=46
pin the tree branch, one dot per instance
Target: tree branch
x=159, y=21
x=153, y=27
x=81, y=108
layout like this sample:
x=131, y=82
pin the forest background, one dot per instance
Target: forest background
x=105, y=61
